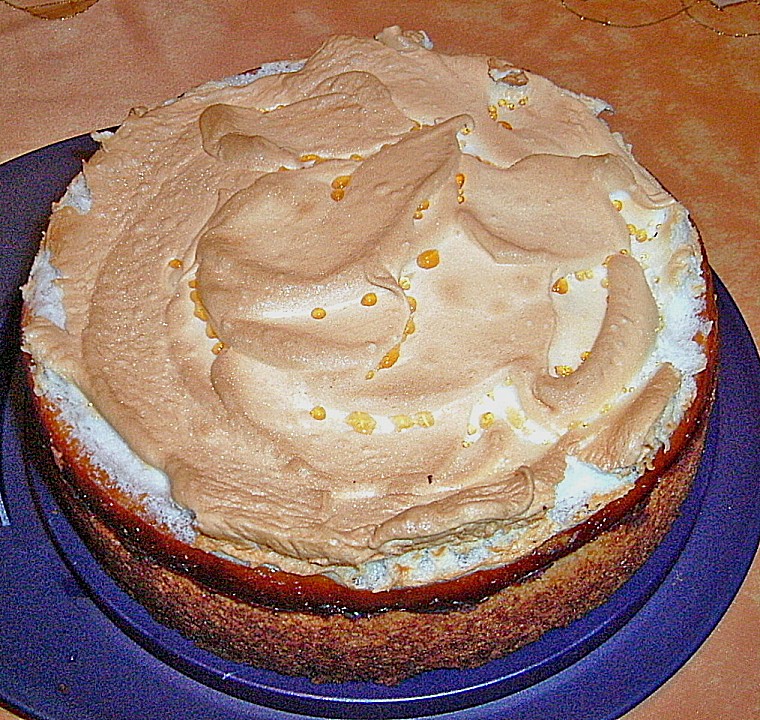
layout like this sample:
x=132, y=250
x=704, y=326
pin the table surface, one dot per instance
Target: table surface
x=682, y=75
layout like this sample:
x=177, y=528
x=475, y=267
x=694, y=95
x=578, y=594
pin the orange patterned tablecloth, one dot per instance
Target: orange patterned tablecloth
x=684, y=89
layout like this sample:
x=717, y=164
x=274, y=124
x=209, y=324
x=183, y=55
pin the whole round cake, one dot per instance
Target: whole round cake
x=380, y=362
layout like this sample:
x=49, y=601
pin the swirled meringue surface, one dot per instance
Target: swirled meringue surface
x=381, y=302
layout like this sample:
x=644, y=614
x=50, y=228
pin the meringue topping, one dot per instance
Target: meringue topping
x=375, y=304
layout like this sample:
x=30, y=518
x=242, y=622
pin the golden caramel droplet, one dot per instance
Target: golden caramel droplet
x=319, y=313
x=412, y=303
x=617, y=204
x=419, y=213
x=369, y=375
x=409, y=328
x=560, y=286
x=585, y=355
x=338, y=194
x=402, y=422
x=493, y=112
x=175, y=263
x=318, y=412
x=505, y=125
x=516, y=418
x=362, y=422
x=218, y=347
x=487, y=419
x=369, y=299
x=424, y=419
x=428, y=259
x=391, y=357
x=460, y=178
x=563, y=370
x=341, y=182
x=404, y=283
x=192, y=283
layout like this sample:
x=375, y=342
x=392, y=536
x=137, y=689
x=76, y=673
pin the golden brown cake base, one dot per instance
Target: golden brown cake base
x=384, y=647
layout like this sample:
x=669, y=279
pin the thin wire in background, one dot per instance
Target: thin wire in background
x=738, y=19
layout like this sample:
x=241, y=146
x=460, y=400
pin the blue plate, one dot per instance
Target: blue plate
x=74, y=645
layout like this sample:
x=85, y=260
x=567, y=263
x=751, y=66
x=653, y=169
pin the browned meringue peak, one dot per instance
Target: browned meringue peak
x=529, y=212
x=351, y=114
x=307, y=252
x=403, y=40
x=509, y=496
x=624, y=437
x=428, y=87
x=627, y=335
x=501, y=496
